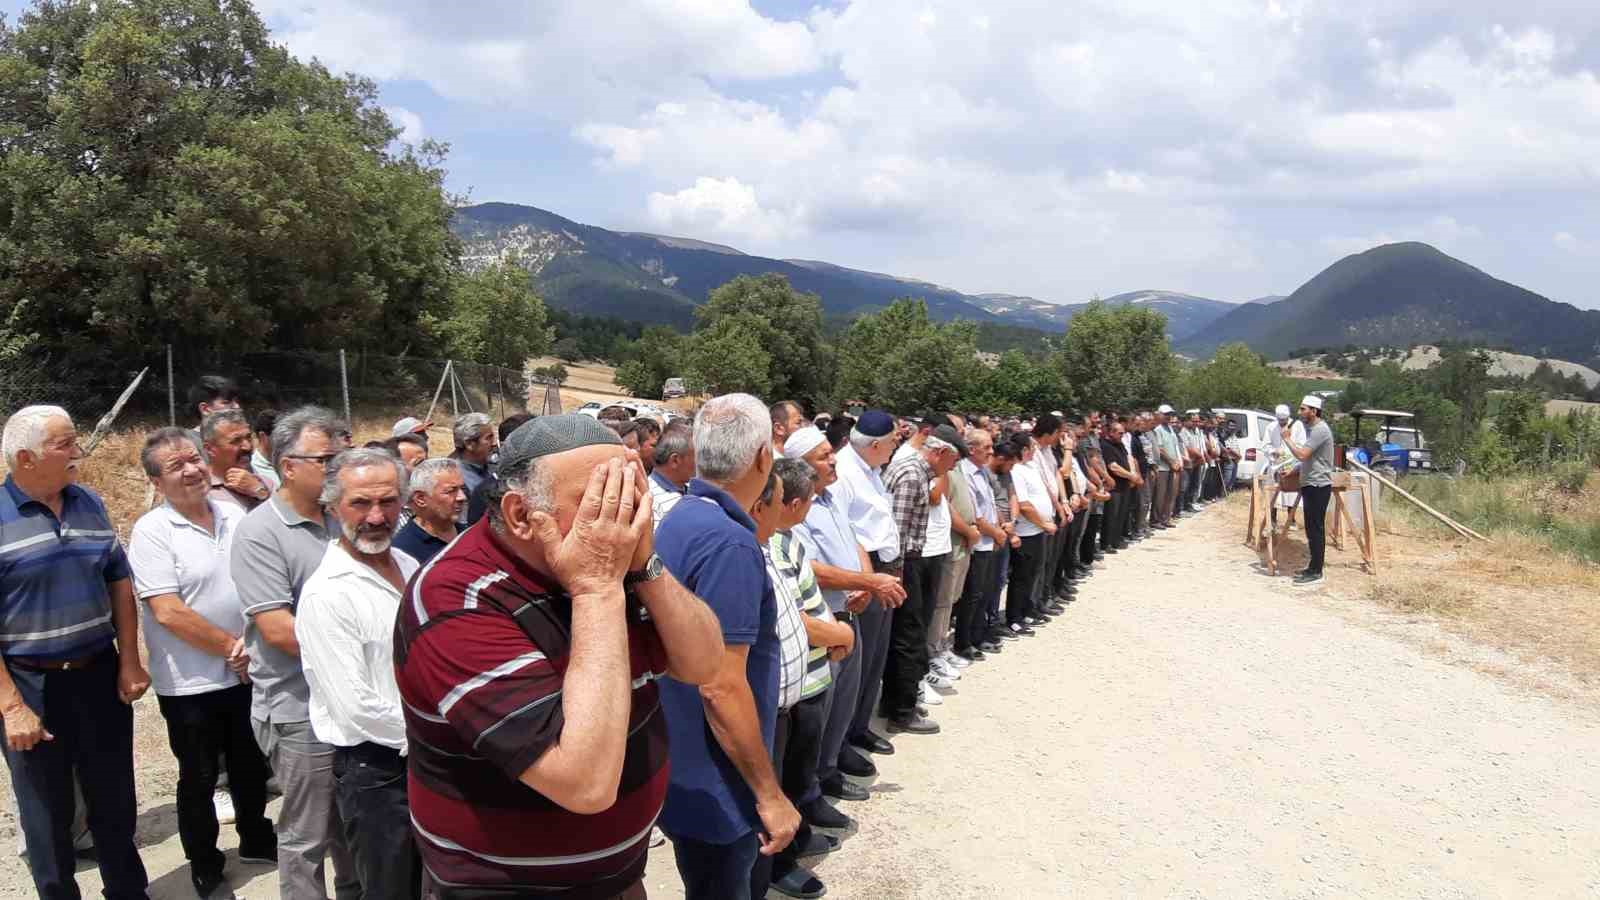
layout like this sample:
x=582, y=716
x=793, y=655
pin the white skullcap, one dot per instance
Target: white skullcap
x=1283, y=411
x=1164, y=409
x=1312, y=400
x=803, y=441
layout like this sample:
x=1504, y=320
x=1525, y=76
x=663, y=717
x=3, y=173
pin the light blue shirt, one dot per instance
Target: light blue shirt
x=866, y=504
x=828, y=538
x=983, y=501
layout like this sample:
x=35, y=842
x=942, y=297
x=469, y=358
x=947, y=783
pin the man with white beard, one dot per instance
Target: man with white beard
x=345, y=626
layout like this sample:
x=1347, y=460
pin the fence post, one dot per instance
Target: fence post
x=172, y=393
x=344, y=384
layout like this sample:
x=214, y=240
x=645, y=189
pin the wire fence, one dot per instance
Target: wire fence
x=353, y=383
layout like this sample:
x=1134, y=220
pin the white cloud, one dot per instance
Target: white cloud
x=409, y=123
x=723, y=206
x=1224, y=148
x=1567, y=241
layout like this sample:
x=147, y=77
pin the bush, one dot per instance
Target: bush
x=1570, y=477
x=1489, y=456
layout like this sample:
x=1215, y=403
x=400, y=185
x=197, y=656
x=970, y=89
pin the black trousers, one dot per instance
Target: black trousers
x=369, y=786
x=1025, y=562
x=717, y=871
x=93, y=732
x=1091, y=537
x=796, y=746
x=201, y=728
x=908, y=637
x=970, y=622
x=1111, y=527
x=1315, y=500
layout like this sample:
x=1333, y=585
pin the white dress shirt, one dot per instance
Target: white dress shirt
x=1026, y=487
x=345, y=626
x=867, y=506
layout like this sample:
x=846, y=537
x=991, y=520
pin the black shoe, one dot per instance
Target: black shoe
x=913, y=724
x=1009, y=635
x=797, y=882
x=263, y=853
x=872, y=743
x=851, y=762
x=839, y=788
x=1108, y=551
x=1305, y=579
x=1033, y=620
x=819, y=813
x=971, y=654
x=1056, y=609
x=991, y=646
x=814, y=845
x=1022, y=631
x=209, y=883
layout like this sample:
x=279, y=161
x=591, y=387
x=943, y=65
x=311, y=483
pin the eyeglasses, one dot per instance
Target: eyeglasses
x=321, y=458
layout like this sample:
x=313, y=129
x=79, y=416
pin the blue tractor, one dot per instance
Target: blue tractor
x=1397, y=444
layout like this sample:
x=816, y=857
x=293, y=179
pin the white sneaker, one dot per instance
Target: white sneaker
x=223, y=801
x=928, y=697
x=952, y=659
x=939, y=683
x=944, y=670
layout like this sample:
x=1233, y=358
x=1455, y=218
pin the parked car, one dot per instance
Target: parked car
x=1255, y=429
x=635, y=410
x=673, y=388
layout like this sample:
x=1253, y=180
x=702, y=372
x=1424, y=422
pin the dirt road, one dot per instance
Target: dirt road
x=1194, y=728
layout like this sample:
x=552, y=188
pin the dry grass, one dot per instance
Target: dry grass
x=1524, y=594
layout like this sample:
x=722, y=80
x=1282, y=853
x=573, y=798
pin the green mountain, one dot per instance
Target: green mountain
x=654, y=278
x=1402, y=295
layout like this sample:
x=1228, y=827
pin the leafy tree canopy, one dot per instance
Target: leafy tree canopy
x=785, y=324
x=495, y=317
x=1118, y=357
x=1236, y=376
x=169, y=175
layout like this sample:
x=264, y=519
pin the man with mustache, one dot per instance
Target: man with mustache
x=345, y=626
x=227, y=440
x=180, y=553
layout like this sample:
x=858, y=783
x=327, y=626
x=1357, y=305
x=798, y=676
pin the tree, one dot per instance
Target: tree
x=567, y=349
x=899, y=359
x=1235, y=376
x=729, y=356
x=495, y=317
x=650, y=361
x=1018, y=385
x=556, y=372
x=170, y=175
x=786, y=324
x=1118, y=357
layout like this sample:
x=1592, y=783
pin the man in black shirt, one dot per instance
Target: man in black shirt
x=1117, y=463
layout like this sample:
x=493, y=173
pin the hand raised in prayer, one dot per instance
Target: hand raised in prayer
x=592, y=557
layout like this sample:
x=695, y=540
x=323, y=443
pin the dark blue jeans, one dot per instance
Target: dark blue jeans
x=716, y=871
x=370, y=790
x=93, y=732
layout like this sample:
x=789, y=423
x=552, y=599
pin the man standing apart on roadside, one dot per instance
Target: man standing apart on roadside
x=277, y=548
x=345, y=627
x=70, y=641
x=725, y=805
x=180, y=553
x=1316, y=482
x=869, y=511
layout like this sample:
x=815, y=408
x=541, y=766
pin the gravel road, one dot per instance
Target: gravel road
x=1192, y=728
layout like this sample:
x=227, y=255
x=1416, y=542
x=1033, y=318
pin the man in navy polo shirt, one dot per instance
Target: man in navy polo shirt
x=71, y=650
x=725, y=805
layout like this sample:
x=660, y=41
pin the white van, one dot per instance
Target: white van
x=1255, y=428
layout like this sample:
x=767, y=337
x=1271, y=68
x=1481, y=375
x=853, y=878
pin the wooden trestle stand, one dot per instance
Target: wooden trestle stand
x=1261, y=535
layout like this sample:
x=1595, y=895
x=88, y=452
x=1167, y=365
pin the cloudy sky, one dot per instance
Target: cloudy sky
x=1062, y=149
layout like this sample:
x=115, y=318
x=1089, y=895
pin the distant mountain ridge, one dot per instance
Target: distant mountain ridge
x=1401, y=295
x=657, y=278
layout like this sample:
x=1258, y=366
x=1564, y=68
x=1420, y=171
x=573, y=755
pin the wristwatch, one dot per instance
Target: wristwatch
x=652, y=570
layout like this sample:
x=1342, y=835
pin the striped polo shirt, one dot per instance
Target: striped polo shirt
x=789, y=558
x=481, y=647
x=54, y=600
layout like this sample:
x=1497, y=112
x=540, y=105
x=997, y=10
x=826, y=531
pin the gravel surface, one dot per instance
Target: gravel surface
x=1193, y=728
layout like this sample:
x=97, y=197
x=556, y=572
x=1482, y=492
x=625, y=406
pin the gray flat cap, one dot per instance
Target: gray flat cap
x=551, y=434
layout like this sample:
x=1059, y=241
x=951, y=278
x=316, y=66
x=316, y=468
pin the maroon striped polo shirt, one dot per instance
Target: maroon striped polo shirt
x=481, y=646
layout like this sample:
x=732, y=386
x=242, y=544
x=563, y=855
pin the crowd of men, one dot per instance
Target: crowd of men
x=508, y=671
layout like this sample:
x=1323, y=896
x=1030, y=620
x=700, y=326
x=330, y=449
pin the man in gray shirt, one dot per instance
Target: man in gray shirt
x=277, y=548
x=1316, y=482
